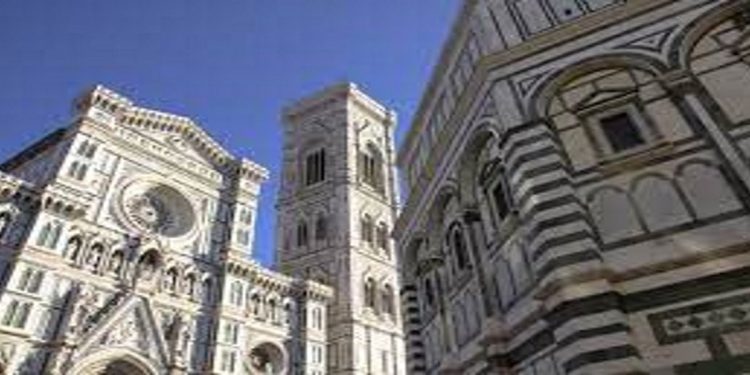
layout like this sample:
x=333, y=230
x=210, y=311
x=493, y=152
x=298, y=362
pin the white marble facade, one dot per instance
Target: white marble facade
x=126, y=243
x=336, y=206
x=578, y=179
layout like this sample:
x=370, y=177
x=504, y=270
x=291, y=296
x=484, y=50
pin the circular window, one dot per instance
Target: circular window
x=267, y=359
x=154, y=208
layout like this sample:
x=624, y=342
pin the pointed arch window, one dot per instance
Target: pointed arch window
x=190, y=284
x=236, y=294
x=457, y=243
x=78, y=171
x=315, y=167
x=370, y=293
x=207, y=290
x=87, y=149
x=371, y=167
x=495, y=188
x=387, y=298
x=49, y=235
x=16, y=314
x=382, y=237
x=31, y=280
x=302, y=234
x=429, y=292
x=321, y=228
x=367, y=228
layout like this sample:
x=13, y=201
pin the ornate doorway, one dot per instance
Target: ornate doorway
x=122, y=367
x=115, y=364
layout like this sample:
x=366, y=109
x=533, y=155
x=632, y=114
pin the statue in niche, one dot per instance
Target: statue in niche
x=95, y=257
x=115, y=264
x=73, y=248
x=184, y=338
x=85, y=308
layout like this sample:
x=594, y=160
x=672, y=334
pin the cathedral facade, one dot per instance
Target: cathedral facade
x=578, y=179
x=126, y=244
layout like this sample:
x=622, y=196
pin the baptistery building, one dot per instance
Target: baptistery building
x=126, y=243
x=577, y=182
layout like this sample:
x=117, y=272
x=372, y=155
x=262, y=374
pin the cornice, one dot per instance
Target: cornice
x=124, y=113
x=329, y=97
x=561, y=35
x=283, y=284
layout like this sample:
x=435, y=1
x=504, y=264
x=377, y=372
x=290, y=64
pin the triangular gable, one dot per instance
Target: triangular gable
x=131, y=325
x=179, y=133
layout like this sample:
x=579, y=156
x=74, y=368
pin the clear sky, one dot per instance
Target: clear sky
x=229, y=64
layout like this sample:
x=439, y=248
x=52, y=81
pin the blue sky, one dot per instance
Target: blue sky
x=229, y=64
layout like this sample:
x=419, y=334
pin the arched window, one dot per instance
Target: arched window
x=458, y=247
x=77, y=171
x=256, y=305
x=207, y=290
x=382, y=237
x=190, y=284
x=236, y=294
x=321, y=228
x=87, y=149
x=500, y=199
x=371, y=167
x=16, y=314
x=387, y=302
x=315, y=167
x=49, y=235
x=367, y=228
x=31, y=280
x=272, y=313
x=302, y=234
x=429, y=292
x=317, y=318
x=370, y=293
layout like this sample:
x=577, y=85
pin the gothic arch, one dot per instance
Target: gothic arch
x=126, y=361
x=540, y=98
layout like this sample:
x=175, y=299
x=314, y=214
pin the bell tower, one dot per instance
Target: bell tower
x=336, y=207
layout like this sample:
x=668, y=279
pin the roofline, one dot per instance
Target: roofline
x=344, y=89
x=438, y=72
x=30, y=152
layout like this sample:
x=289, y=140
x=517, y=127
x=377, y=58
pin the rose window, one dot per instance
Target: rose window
x=153, y=208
